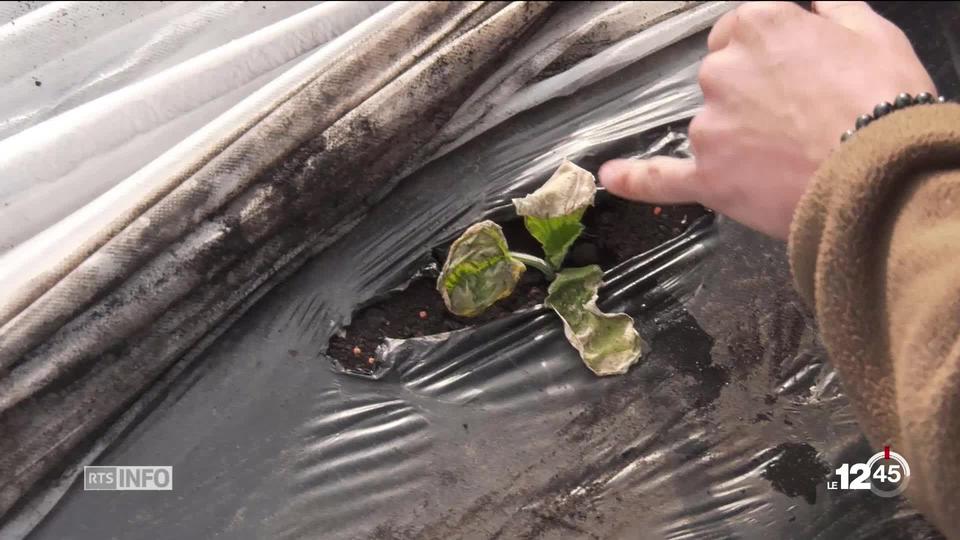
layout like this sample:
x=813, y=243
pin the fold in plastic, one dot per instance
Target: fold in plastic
x=120, y=284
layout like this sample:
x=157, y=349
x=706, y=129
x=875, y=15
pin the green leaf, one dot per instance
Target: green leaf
x=556, y=235
x=608, y=343
x=478, y=271
x=552, y=213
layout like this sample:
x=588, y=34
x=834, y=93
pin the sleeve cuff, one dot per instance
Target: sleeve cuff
x=843, y=212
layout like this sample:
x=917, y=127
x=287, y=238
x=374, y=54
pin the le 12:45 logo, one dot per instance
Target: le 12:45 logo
x=885, y=474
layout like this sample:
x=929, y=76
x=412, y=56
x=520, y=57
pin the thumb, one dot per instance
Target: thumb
x=856, y=16
x=656, y=180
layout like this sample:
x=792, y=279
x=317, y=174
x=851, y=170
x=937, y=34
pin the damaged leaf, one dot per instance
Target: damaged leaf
x=479, y=270
x=552, y=213
x=608, y=343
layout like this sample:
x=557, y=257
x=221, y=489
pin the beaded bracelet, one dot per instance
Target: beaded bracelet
x=902, y=101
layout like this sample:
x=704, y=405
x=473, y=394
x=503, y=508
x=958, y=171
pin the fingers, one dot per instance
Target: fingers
x=657, y=180
x=856, y=16
x=720, y=34
x=742, y=22
x=839, y=10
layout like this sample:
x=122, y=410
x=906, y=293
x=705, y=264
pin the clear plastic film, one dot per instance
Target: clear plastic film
x=499, y=431
x=108, y=88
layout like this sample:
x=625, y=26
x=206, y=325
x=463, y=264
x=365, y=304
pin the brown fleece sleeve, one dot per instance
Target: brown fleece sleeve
x=875, y=249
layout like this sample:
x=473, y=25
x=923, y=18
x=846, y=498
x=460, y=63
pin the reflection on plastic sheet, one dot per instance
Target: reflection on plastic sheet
x=499, y=431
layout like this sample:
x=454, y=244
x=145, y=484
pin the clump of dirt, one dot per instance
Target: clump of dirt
x=615, y=231
x=796, y=471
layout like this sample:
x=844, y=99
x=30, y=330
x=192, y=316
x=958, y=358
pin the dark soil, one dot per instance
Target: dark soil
x=796, y=471
x=418, y=311
x=615, y=231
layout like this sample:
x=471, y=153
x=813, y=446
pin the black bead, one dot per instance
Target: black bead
x=882, y=109
x=903, y=100
x=846, y=135
x=924, y=98
x=942, y=99
x=863, y=120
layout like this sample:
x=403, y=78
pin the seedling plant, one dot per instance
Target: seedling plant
x=480, y=270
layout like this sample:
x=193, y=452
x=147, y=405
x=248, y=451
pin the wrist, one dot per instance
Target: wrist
x=900, y=102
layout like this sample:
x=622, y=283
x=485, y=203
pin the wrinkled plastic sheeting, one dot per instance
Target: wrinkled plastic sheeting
x=499, y=431
x=154, y=72
x=52, y=424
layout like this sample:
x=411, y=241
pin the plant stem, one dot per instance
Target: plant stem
x=535, y=262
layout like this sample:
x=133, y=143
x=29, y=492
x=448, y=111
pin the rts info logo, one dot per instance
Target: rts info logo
x=886, y=474
x=130, y=478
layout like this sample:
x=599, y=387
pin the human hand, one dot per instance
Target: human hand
x=780, y=86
